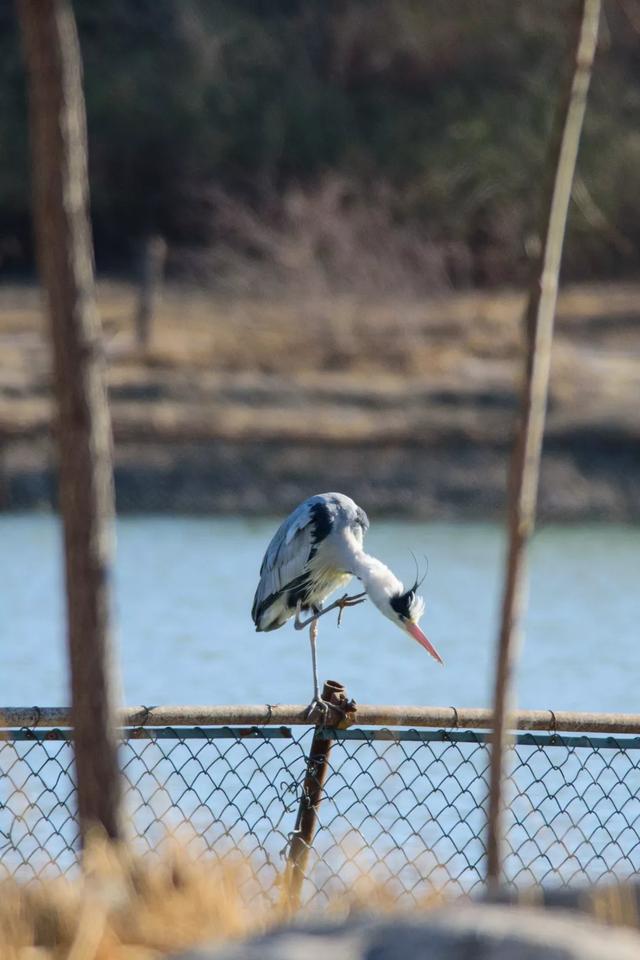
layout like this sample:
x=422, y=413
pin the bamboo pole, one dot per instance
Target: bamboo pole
x=65, y=258
x=525, y=465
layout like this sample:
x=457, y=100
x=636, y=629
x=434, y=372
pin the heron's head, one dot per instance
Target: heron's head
x=386, y=592
x=405, y=609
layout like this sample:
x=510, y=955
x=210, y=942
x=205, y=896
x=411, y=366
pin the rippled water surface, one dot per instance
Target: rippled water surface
x=184, y=588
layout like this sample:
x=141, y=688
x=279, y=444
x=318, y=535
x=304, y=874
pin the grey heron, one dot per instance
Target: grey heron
x=315, y=551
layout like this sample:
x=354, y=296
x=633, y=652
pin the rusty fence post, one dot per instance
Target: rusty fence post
x=312, y=787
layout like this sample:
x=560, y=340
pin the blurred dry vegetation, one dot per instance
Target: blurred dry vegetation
x=128, y=909
x=125, y=907
x=375, y=392
x=375, y=354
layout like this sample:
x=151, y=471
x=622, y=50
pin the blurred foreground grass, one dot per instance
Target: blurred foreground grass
x=125, y=907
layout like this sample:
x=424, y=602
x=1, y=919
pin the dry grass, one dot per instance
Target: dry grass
x=354, y=337
x=351, y=335
x=366, y=369
x=127, y=908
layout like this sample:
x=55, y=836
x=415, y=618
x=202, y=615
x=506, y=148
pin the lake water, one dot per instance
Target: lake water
x=184, y=588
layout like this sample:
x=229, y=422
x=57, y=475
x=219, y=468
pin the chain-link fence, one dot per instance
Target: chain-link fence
x=404, y=807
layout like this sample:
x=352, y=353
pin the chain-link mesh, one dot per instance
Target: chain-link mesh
x=406, y=807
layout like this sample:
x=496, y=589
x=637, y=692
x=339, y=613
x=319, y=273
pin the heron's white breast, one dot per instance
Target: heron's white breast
x=325, y=579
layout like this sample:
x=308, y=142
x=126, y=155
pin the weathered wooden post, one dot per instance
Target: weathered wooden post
x=313, y=784
x=65, y=255
x=153, y=256
x=525, y=465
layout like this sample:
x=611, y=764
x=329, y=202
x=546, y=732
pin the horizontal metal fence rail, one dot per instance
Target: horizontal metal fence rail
x=364, y=715
x=404, y=807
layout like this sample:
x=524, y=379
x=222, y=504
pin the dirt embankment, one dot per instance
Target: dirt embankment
x=249, y=406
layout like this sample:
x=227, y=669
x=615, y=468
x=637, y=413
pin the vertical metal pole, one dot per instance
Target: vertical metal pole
x=525, y=466
x=315, y=776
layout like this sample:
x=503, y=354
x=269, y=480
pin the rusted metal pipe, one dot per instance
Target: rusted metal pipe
x=259, y=715
x=315, y=776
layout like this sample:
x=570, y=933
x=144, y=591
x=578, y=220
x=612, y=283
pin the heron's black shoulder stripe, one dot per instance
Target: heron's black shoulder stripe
x=259, y=608
x=296, y=589
x=322, y=522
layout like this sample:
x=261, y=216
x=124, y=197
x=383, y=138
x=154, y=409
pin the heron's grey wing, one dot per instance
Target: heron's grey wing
x=286, y=558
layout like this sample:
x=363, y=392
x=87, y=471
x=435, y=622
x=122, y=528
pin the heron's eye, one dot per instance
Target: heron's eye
x=402, y=604
x=408, y=606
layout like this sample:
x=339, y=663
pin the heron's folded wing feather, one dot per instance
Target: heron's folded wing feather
x=287, y=556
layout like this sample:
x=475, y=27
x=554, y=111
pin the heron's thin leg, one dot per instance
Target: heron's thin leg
x=317, y=704
x=340, y=605
x=313, y=637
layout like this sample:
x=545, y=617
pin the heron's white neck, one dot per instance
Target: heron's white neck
x=379, y=582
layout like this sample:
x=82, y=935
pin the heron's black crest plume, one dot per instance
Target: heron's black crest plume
x=409, y=605
x=419, y=579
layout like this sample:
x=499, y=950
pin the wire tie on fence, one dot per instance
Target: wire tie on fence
x=292, y=788
x=137, y=731
x=37, y=716
x=456, y=720
x=269, y=713
x=284, y=853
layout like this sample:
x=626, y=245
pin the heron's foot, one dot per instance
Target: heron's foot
x=318, y=711
x=347, y=601
x=341, y=604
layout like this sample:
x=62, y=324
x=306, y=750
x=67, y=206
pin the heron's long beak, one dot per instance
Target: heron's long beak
x=414, y=630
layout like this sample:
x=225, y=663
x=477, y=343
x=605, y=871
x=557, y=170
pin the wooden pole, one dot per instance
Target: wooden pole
x=152, y=261
x=65, y=254
x=525, y=465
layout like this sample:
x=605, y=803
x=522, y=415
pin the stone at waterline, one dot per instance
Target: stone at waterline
x=470, y=931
